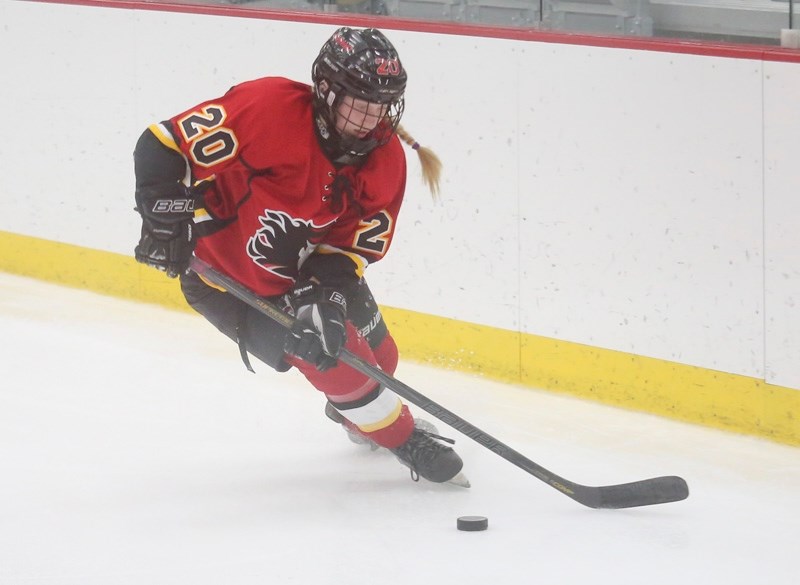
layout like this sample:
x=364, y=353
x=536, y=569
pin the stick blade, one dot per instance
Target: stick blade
x=647, y=492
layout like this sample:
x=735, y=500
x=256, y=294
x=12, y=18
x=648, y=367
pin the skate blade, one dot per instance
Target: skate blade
x=460, y=480
x=359, y=440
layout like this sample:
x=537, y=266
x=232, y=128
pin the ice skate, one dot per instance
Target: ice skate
x=360, y=439
x=427, y=456
x=422, y=451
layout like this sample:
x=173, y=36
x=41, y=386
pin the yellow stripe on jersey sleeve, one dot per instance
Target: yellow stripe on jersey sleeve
x=164, y=137
x=211, y=284
x=201, y=215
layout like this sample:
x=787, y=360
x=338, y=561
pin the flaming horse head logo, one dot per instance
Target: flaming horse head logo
x=282, y=243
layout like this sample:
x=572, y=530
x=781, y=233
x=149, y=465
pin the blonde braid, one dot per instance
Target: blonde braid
x=431, y=165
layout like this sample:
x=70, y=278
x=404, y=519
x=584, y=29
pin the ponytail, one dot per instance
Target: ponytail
x=430, y=163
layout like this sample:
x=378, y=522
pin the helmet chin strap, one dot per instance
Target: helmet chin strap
x=333, y=144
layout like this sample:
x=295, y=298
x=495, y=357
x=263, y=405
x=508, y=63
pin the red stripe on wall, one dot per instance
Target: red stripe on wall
x=729, y=50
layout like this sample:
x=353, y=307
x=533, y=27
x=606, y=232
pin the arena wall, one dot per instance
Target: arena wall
x=619, y=219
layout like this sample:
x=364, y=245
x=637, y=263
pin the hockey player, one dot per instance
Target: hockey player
x=293, y=190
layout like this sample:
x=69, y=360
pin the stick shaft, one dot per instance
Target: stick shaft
x=641, y=493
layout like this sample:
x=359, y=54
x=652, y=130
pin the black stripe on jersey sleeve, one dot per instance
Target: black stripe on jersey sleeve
x=156, y=163
x=335, y=270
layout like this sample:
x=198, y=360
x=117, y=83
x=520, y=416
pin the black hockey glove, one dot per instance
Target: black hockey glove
x=168, y=237
x=319, y=333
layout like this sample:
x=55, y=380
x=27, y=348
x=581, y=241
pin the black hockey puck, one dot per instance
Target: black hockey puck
x=472, y=523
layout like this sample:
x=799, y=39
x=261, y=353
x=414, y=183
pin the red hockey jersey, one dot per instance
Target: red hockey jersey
x=274, y=197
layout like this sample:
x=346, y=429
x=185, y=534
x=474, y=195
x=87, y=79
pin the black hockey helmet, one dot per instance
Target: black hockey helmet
x=363, y=64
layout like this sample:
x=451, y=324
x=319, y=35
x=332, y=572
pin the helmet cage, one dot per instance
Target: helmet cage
x=337, y=116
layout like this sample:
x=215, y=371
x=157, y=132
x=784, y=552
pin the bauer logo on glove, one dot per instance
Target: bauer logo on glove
x=339, y=299
x=173, y=206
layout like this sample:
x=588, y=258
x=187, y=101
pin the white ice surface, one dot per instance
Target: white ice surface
x=135, y=449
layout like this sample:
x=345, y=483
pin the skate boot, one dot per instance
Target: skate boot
x=427, y=456
x=421, y=453
x=352, y=431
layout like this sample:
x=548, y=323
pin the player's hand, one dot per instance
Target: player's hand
x=319, y=333
x=168, y=237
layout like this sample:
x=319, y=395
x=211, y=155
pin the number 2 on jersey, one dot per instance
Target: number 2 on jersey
x=209, y=141
x=373, y=233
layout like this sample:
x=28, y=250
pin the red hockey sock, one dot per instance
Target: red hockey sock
x=386, y=354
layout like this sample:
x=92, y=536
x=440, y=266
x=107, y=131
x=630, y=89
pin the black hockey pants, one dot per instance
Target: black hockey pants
x=264, y=338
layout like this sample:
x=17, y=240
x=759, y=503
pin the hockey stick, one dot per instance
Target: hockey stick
x=657, y=490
